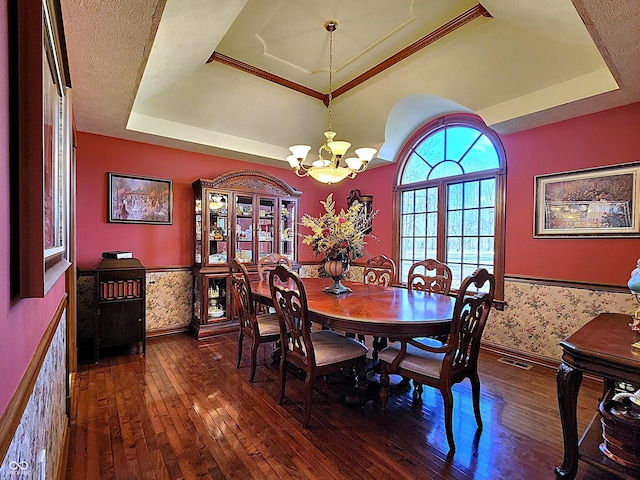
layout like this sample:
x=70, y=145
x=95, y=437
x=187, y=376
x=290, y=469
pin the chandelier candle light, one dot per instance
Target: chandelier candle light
x=330, y=170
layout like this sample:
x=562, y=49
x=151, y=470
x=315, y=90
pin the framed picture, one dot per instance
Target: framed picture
x=134, y=199
x=596, y=202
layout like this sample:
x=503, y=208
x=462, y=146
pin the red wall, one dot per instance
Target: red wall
x=604, y=138
x=22, y=323
x=156, y=245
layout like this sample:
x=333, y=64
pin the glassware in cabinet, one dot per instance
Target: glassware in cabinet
x=218, y=227
x=266, y=214
x=288, y=228
x=244, y=228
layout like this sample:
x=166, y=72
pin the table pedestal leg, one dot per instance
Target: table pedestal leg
x=568, y=381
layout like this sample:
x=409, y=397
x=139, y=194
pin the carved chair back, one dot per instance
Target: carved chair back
x=268, y=263
x=380, y=270
x=290, y=301
x=436, y=277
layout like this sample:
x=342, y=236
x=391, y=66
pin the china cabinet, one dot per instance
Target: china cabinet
x=244, y=215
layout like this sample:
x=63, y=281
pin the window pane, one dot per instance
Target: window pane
x=420, y=250
x=483, y=156
x=471, y=222
x=407, y=225
x=471, y=250
x=459, y=139
x=486, y=251
x=432, y=199
x=454, y=199
x=454, y=223
x=407, y=202
x=487, y=221
x=456, y=274
x=471, y=194
x=421, y=200
x=454, y=250
x=432, y=148
x=488, y=193
x=416, y=170
x=445, y=169
x=432, y=223
x=432, y=244
x=407, y=248
x=420, y=224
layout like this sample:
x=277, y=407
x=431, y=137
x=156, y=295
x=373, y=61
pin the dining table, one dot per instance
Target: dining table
x=379, y=311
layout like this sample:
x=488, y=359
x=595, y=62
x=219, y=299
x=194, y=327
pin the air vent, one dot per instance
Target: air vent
x=515, y=363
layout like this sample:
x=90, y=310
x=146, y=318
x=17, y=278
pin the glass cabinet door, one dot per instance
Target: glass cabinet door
x=288, y=229
x=216, y=299
x=218, y=227
x=244, y=228
x=266, y=229
x=198, y=230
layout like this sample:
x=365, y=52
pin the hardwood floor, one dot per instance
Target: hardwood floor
x=184, y=411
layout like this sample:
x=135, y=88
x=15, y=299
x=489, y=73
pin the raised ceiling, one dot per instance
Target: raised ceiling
x=140, y=70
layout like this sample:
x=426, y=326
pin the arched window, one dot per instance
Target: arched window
x=450, y=199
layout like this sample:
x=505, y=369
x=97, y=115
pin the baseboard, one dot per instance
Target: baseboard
x=519, y=355
x=162, y=331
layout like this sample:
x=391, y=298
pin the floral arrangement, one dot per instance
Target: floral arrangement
x=338, y=235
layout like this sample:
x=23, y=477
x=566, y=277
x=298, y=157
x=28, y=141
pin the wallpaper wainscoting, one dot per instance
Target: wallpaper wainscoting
x=168, y=302
x=42, y=426
x=169, y=299
x=538, y=317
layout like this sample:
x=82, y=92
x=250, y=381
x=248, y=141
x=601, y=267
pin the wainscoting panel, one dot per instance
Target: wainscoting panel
x=37, y=443
x=538, y=317
x=168, y=302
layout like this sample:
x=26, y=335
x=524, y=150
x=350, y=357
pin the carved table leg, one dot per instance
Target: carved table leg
x=568, y=381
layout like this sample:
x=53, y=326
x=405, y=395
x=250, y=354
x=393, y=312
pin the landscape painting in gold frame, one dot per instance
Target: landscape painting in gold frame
x=599, y=202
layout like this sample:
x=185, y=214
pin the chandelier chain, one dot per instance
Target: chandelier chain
x=330, y=75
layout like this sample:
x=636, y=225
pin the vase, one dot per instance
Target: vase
x=336, y=268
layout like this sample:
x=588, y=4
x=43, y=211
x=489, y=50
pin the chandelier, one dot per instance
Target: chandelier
x=330, y=167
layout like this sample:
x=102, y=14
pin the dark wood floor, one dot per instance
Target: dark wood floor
x=184, y=411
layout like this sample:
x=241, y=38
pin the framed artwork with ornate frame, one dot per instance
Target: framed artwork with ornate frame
x=366, y=200
x=600, y=202
x=136, y=199
x=40, y=146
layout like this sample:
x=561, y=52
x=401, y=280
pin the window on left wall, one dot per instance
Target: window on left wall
x=41, y=147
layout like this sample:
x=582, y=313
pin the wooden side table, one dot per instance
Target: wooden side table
x=601, y=348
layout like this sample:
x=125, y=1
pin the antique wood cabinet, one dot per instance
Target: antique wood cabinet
x=120, y=318
x=244, y=215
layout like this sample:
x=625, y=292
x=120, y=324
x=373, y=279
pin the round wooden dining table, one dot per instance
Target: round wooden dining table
x=373, y=310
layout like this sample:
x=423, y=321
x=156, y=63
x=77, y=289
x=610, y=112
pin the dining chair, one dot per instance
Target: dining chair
x=380, y=270
x=441, y=365
x=436, y=276
x=317, y=353
x=268, y=263
x=259, y=328
x=265, y=265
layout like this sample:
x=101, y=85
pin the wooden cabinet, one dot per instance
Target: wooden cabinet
x=120, y=304
x=244, y=215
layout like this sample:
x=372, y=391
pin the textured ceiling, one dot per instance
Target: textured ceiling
x=139, y=69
